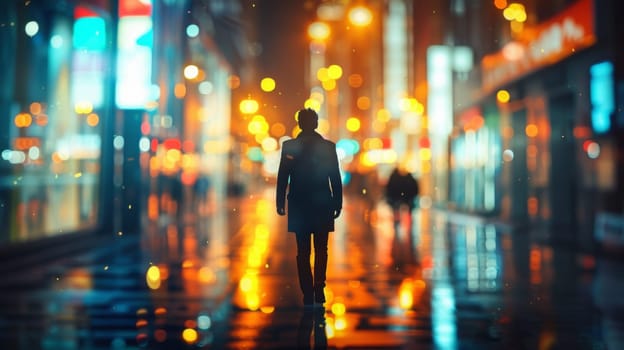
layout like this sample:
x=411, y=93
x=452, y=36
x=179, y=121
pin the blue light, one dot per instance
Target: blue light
x=601, y=96
x=192, y=30
x=349, y=146
x=255, y=154
x=90, y=33
x=345, y=177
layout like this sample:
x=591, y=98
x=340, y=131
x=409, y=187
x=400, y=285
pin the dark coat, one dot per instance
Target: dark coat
x=310, y=163
x=402, y=188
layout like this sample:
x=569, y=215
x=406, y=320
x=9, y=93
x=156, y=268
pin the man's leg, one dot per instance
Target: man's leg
x=303, y=267
x=320, y=265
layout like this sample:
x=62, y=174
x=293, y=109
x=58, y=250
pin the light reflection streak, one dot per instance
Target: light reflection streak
x=152, y=277
x=249, y=283
x=443, y=316
x=443, y=323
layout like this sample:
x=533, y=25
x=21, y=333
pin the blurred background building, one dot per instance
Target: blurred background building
x=510, y=110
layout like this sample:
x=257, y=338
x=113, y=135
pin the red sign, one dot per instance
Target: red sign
x=135, y=8
x=543, y=45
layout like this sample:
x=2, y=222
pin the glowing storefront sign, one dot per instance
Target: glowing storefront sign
x=550, y=42
x=88, y=64
x=439, y=100
x=601, y=96
x=134, y=60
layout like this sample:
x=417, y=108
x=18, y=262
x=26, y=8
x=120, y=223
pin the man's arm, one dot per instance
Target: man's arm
x=282, y=183
x=336, y=182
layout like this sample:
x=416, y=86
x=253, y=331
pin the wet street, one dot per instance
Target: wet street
x=223, y=276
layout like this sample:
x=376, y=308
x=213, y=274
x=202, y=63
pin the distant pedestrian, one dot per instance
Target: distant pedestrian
x=309, y=168
x=401, y=190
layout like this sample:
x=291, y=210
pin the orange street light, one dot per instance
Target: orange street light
x=319, y=31
x=360, y=16
x=248, y=106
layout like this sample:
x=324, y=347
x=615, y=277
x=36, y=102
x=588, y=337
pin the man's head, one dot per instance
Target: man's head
x=307, y=119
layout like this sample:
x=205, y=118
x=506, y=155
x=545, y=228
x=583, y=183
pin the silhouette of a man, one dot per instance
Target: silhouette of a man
x=310, y=163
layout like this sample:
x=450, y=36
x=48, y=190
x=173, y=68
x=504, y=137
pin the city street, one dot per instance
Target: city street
x=223, y=276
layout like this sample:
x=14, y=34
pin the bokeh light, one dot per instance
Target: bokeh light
x=267, y=84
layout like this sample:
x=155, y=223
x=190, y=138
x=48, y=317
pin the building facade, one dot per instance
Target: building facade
x=97, y=104
x=536, y=124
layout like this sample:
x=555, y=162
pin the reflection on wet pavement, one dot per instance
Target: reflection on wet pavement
x=224, y=277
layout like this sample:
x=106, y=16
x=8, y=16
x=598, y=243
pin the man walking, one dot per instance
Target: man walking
x=309, y=168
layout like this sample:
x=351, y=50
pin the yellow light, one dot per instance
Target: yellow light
x=253, y=127
x=418, y=107
x=83, y=107
x=406, y=296
x=189, y=335
x=340, y=324
x=253, y=301
x=360, y=16
x=503, y=96
x=267, y=309
x=334, y=71
x=260, y=137
x=23, y=120
x=425, y=154
x=353, y=124
x=173, y=155
x=258, y=125
x=372, y=143
x=509, y=14
x=267, y=84
x=330, y=331
x=338, y=309
x=248, y=106
x=516, y=27
x=319, y=31
x=329, y=84
x=246, y=284
x=425, y=167
x=152, y=277
x=383, y=115
x=254, y=259
x=366, y=160
x=515, y=12
x=406, y=299
x=322, y=74
x=313, y=104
